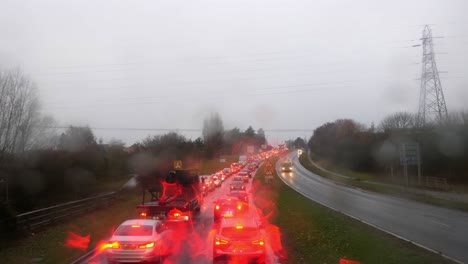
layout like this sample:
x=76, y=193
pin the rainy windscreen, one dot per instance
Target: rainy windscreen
x=339, y=128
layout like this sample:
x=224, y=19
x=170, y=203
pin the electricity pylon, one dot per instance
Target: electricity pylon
x=432, y=108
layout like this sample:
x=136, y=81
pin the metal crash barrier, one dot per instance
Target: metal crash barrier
x=54, y=214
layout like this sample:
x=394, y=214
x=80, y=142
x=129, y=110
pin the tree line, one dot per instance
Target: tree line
x=40, y=166
x=155, y=154
x=443, y=145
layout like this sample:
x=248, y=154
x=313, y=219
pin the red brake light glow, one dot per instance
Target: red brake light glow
x=135, y=226
x=217, y=207
x=220, y=241
x=258, y=242
x=143, y=214
x=239, y=227
x=239, y=207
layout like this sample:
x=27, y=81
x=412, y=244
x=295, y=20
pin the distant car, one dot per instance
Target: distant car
x=244, y=175
x=239, y=237
x=229, y=207
x=286, y=166
x=237, y=186
x=210, y=186
x=217, y=182
x=238, y=179
x=203, y=189
x=242, y=195
x=137, y=240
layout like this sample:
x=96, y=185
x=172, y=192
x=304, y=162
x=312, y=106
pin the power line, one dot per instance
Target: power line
x=221, y=94
x=181, y=129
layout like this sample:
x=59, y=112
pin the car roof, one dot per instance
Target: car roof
x=237, y=182
x=141, y=222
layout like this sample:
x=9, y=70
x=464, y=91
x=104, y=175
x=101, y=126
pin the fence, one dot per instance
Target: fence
x=436, y=183
x=54, y=214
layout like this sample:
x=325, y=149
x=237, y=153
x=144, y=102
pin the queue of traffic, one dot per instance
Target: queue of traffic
x=166, y=223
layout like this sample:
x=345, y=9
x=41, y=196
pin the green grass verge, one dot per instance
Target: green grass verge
x=312, y=233
x=394, y=190
x=213, y=165
x=48, y=245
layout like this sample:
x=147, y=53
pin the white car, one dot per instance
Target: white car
x=217, y=182
x=137, y=240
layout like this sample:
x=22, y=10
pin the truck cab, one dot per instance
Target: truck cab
x=180, y=190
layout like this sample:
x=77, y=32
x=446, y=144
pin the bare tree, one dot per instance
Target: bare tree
x=19, y=110
x=464, y=118
x=41, y=134
x=398, y=121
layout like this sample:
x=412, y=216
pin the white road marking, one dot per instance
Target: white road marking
x=440, y=223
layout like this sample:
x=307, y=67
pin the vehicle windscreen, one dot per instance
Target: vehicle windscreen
x=134, y=230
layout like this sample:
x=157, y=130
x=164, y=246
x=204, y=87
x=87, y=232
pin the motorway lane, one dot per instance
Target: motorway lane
x=204, y=234
x=436, y=228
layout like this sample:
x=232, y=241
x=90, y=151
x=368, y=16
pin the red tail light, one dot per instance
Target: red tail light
x=148, y=245
x=221, y=242
x=217, y=207
x=259, y=242
x=143, y=214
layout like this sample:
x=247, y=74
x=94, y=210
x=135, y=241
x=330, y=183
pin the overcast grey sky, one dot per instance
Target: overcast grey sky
x=270, y=64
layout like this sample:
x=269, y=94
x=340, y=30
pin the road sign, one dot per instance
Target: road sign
x=269, y=173
x=268, y=163
x=269, y=169
x=177, y=164
x=409, y=154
